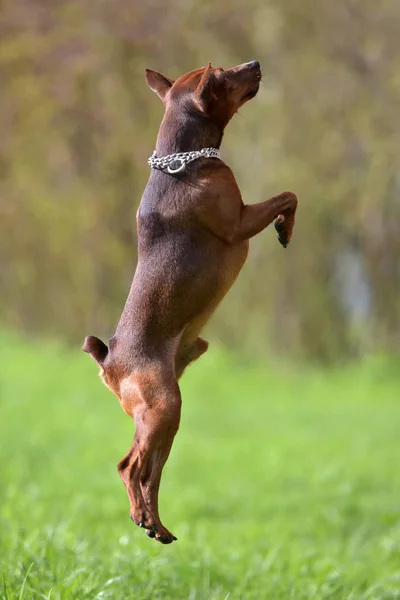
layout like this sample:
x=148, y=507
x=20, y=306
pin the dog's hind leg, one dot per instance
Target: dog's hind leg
x=156, y=415
x=189, y=353
x=127, y=469
x=150, y=483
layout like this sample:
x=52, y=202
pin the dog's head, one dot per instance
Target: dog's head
x=215, y=93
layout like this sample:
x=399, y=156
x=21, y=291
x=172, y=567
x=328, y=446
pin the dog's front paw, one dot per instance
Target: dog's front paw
x=280, y=228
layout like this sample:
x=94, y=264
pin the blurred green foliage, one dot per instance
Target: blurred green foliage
x=281, y=484
x=78, y=123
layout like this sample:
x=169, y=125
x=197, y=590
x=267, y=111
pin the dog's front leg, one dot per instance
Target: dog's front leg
x=256, y=217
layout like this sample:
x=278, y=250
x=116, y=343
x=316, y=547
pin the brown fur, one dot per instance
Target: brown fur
x=193, y=232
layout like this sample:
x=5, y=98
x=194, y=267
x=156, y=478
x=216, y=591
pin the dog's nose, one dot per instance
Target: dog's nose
x=254, y=64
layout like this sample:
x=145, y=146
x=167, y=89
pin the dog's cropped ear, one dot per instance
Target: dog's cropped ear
x=158, y=83
x=96, y=348
x=205, y=92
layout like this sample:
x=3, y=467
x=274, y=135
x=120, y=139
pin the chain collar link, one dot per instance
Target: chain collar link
x=175, y=163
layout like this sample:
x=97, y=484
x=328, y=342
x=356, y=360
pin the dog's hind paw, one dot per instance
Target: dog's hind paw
x=167, y=538
x=160, y=533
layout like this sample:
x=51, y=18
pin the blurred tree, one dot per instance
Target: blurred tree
x=78, y=124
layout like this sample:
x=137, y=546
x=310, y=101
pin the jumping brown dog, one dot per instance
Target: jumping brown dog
x=193, y=232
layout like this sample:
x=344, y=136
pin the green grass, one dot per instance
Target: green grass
x=280, y=484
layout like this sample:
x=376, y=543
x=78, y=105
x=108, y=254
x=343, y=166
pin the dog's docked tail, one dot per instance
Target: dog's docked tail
x=96, y=348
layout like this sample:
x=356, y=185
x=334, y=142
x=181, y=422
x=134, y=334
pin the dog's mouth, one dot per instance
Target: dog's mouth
x=251, y=93
x=253, y=90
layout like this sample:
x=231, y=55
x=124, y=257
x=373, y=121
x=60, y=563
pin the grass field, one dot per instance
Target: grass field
x=280, y=484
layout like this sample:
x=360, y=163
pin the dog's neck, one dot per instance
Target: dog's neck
x=184, y=132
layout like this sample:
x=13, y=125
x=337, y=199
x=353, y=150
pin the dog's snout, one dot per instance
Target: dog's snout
x=254, y=64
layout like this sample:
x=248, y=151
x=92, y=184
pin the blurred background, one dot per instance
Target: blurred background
x=78, y=124
x=284, y=478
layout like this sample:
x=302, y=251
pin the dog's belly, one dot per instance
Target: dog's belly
x=179, y=281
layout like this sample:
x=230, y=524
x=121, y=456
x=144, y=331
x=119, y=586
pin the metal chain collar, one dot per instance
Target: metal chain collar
x=175, y=163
